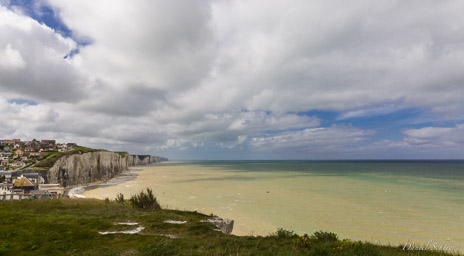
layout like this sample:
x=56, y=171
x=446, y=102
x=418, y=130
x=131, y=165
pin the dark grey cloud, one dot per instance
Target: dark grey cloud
x=131, y=100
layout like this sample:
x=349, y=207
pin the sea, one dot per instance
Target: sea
x=396, y=203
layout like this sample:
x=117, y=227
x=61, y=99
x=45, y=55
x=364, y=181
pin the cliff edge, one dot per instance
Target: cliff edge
x=94, y=166
x=133, y=160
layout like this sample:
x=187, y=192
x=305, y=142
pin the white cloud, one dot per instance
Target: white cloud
x=370, y=111
x=22, y=120
x=334, y=139
x=280, y=56
x=443, y=138
x=150, y=50
x=32, y=62
x=426, y=142
x=11, y=58
x=177, y=74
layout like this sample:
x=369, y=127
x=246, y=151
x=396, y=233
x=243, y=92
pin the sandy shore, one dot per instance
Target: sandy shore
x=76, y=192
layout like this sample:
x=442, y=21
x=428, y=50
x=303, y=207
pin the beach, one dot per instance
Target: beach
x=385, y=203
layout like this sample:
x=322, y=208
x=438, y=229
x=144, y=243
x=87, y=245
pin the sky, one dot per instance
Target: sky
x=237, y=79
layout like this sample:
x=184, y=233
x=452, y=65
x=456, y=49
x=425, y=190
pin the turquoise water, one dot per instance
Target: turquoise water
x=389, y=202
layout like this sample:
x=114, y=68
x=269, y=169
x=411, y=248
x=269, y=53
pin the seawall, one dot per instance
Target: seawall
x=95, y=166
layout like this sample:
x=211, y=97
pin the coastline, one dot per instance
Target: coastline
x=76, y=191
x=261, y=201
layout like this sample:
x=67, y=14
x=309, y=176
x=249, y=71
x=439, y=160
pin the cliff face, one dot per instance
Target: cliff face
x=85, y=168
x=133, y=160
x=90, y=167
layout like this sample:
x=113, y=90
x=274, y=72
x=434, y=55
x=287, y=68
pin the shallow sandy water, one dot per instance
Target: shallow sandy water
x=371, y=208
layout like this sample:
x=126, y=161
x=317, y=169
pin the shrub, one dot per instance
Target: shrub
x=282, y=233
x=120, y=198
x=303, y=241
x=145, y=200
x=322, y=236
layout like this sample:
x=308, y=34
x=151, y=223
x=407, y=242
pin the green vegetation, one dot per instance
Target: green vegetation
x=282, y=233
x=121, y=153
x=145, y=201
x=120, y=198
x=51, y=157
x=324, y=236
x=71, y=227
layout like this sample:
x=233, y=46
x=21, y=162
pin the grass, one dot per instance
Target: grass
x=71, y=226
x=51, y=157
x=121, y=153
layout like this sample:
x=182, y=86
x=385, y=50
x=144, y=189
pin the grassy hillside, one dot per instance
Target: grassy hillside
x=51, y=157
x=71, y=226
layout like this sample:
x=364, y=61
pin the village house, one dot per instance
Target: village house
x=52, y=188
x=4, y=189
x=24, y=184
x=15, y=174
x=48, y=143
x=52, y=149
x=3, y=158
x=19, y=153
x=34, y=154
x=11, y=142
x=34, y=144
x=7, y=148
x=63, y=147
x=17, y=164
x=2, y=168
x=71, y=145
x=33, y=176
x=4, y=162
x=29, y=149
x=5, y=174
x=7, y=154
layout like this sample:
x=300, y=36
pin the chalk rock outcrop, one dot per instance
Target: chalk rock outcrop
x=85, y=168
x=94, y=166
x=224, y=225
x=133, y=160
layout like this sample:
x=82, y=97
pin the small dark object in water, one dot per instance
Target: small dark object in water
x=267, y=192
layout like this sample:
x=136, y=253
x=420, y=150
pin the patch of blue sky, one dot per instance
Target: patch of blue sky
x=22, y=101
x=44, y=14
x=386, y=125
x=406, y=117
x=71, y=53
x=396, y=119
x=327, y=118
x=276, y=132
